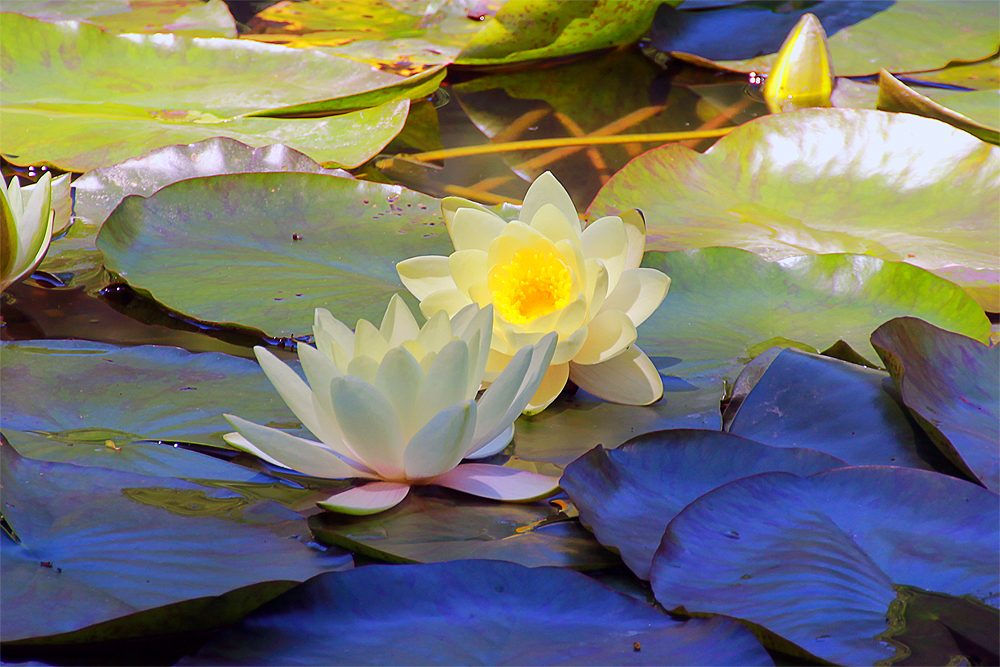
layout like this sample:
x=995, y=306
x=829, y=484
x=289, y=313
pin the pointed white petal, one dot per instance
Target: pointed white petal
x=339, y=332
x=319, y=372
x=442, y=442
x=635, y=231
x=597, y=286
x=400, y=379
x=436, y=332
x=552, y=384
x=473, y=229
x=497, y=409
x=293, y=390
x=608, y=335
x=450, y=205
x=370, y=425
x=288, y=451
x=398, y=323
x=495, y=445
x=629, y=378
x=467, y=268
x=365, y=368
x=450, y=301
x=638, y=293
x=546, y=189
x=369, y=341
x=605, y=239
x=460, y=321
x=498, y=483
x=570, y=346
x=425, y=275
x=551, y=222
x=368, y=499
x=446, y=383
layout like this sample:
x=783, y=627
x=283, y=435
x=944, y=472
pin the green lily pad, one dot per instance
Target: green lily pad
x=627, y=496
x=727, y=305
x=472, y=613
x=239, y=231
x=845, y=410
x=66, y=103
x=531, y=30
x=104, y=555
x=433, y=525
x=952, y=385
x=896, y=186
x=813, y=561
x=978, y=113
x=909, y=36
x=982, y=75
x=191, y=18
x=77, y=391
x=99, y=191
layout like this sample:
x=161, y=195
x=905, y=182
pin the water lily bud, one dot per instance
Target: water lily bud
x=25, y=227
x=802, y=75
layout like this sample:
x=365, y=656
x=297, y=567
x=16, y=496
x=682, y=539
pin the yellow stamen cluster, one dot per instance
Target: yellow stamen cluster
x=533, y=284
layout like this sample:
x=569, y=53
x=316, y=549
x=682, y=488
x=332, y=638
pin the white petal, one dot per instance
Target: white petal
x=473, y=229
x=369, y=341
x=293, y=390
x=495, y=445
x=629, y=378
x=442, y=442
x=363, y=367
x=481, y=324
x=468, y=267
x=436, y=332
x=551, y=222
x=446, y=383
x=546, y=189
x=368, y=499
x=450, y=205
x=319, y=372
x=568, y=347
x=339, y=332
x=450, y=301
x=597, y=286
x=370, y=425
x=461, y=320
x=496, y=406
x=605, y=239
x=552, y=384
x=284, y=449
x=425, y=275
x=638, y=293
x=398, y=323
x=635, y=232
x=498, y=483
x=608, y=335
x=400, y=379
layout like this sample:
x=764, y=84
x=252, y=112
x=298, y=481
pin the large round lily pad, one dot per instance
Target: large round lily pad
x=952, y=385
x=474, y=613
x=98, y=545
x=896, y=186
x=845, y=410
x=627, y=496
x=77, y=391
x=68, y=102
x=727, y=305
x=814, y=560
x=223, y=249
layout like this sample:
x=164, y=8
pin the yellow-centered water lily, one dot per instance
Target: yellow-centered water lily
x=543, y=273
x=802, y=75
x=397, y=404
x=25, y=228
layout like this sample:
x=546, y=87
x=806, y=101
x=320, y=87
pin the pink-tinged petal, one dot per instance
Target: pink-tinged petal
x=495, y=445
x=467, y=268
x=398, y=323
x=423, y=276
x=370, y=424
x=442, y=442
x=450, y=205
x=288, y=451
x=638, y=293
x=609, y=334
x=368, y=499
x=552, y=383
x=473, y=229
x=605, y=239
x=449, y=301
x=546, y=189
x=629, y=378
x=551, y=222
x=635, y=232
x=497, y=482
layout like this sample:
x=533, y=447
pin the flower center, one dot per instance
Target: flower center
x=533, y=284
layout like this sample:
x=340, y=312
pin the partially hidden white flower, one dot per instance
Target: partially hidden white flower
x=398, y=404
x=26, y=227
x=543, y=273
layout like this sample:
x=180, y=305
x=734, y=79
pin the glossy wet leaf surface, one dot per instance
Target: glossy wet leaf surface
x=976, y=112
x=472, y=612
x=191, y=18
x=814, y=560
x=845, y=410
x=907, y=36
x=98, y=545
x=896, y=186
x=133, y=394
x=952, y=386
x=727, y=305
x=627, y=496
x=239, y=232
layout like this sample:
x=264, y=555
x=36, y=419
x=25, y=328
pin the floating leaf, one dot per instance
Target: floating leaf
x=982, y=75
x=433, y=525
x=472, y=612
x=725, y=305
x=79, y=391
x=845, y=410
x=828, y=180
x=952, y=385
x=191, y=18
x=893, y=95
x=239, y=231
x=627, y=496
x=813, y=561
x=106, y=555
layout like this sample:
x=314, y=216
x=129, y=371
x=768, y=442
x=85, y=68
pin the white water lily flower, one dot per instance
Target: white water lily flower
x=26, y=227
x=543, y=273
x=398, y=404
